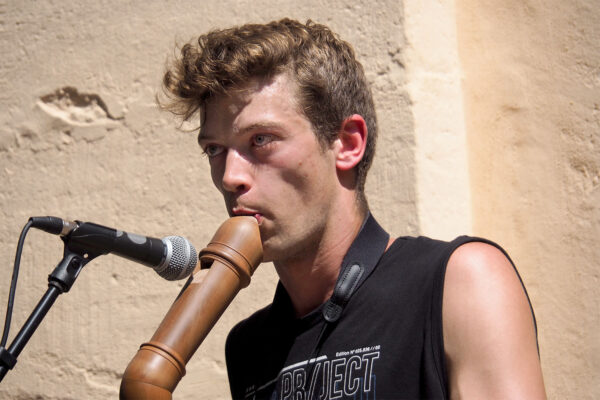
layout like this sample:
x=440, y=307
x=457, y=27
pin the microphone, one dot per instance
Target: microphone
x=172, y=257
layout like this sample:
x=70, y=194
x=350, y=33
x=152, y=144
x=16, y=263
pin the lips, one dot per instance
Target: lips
x=237, y=211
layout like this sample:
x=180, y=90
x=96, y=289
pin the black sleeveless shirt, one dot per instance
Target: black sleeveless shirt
x=388, y=343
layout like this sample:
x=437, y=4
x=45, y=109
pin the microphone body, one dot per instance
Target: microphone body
x=172, y=257
x=232, y=255
x=98, y=239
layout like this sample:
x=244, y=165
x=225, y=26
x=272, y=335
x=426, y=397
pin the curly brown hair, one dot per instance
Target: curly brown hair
x=331, y=83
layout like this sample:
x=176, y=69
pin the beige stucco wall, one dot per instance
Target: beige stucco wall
x=126, y=166
x=489, y=125
x=434, y=86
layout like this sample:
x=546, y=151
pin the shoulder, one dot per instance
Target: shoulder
x=488, y=326
x=478, y=265
x=423, y=250
x=263, y=324
x=481, y=285
x=483, y=272
x=246, y=328
x=240, y=344
x=425, y=256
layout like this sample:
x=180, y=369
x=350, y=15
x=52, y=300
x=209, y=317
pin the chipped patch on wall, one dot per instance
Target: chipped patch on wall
x=78, y=109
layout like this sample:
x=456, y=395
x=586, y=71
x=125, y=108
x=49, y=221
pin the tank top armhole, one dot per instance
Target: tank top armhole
x=437, y=300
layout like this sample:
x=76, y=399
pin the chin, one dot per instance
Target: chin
x=268, y=256
x=274, y=253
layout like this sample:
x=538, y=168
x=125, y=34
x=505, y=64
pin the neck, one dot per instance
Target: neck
x=310, y=279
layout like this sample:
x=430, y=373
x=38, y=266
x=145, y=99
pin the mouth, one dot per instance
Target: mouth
x=244, y=212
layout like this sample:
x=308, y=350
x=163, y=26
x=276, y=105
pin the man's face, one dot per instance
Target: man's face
x=267, y=162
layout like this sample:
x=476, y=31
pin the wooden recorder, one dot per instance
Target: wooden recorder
x=232, y=257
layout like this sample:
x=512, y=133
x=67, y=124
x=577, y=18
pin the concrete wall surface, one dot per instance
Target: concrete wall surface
x=489, y=124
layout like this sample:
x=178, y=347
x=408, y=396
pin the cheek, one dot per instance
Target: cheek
x=295, y=175
x=306, y=178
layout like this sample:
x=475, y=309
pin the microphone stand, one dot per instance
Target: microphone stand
x=59, y=281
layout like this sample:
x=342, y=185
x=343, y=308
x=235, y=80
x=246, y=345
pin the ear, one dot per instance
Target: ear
x=351, y=142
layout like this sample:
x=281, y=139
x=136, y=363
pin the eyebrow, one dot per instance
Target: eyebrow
x=204, y=136
x=261, y=125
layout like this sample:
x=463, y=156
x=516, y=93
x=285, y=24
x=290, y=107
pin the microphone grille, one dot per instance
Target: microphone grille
x=181, y=258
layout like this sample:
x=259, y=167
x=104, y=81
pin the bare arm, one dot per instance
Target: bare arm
x=489, y=335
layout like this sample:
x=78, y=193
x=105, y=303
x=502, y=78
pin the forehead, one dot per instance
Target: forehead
x=259, y=101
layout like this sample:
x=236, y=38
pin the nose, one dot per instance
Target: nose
x=237, y=174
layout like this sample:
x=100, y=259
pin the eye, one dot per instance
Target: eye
x=261, y=140
x=212, y=150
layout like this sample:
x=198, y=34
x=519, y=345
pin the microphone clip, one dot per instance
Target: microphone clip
x=67, y=271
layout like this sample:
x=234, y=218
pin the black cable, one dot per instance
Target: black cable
x=13, y=284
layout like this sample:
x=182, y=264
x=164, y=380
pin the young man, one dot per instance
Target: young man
x=289, y=127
